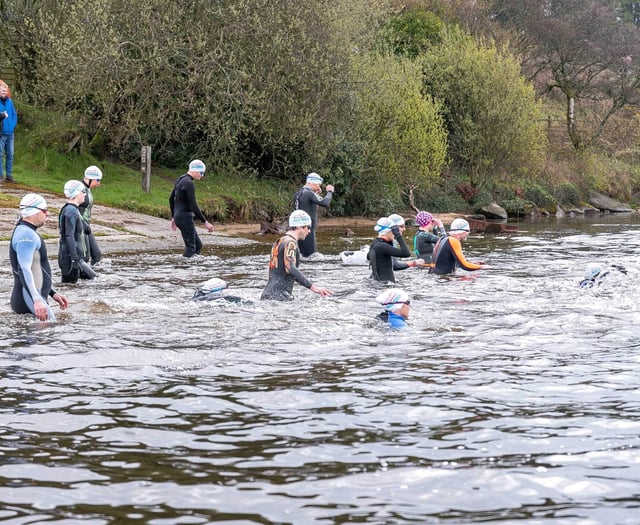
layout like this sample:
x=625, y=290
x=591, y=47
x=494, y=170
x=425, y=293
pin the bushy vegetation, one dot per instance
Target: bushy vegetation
x=388, y=101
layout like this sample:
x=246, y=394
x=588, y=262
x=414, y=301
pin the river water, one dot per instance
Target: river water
x=514, y=396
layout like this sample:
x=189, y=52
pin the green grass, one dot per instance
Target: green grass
x=41, y=164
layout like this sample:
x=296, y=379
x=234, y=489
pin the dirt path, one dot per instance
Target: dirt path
x=126, y=231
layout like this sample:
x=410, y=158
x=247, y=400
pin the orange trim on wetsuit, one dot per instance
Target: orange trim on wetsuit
x=447, y=254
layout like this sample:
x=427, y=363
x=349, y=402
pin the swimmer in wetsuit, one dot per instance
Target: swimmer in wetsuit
x=30, y=264
x=396, y=308
x=398, y=220
x=184, y=208
x=308, y=199
x=425, y=239
x=596, y=274
x=72, y=236
x=382, y=252
x=92, y=178
x=447, y=254
x=285, y=259
x=214, y=290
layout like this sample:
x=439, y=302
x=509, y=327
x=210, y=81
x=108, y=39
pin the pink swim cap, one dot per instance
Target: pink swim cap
x=423, y=218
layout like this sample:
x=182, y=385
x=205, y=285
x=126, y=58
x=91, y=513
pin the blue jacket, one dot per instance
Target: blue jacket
x=9, y=123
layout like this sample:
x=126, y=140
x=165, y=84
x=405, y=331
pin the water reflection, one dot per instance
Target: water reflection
x=512, y=397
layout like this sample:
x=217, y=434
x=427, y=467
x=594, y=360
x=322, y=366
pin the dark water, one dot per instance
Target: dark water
x=514, y=397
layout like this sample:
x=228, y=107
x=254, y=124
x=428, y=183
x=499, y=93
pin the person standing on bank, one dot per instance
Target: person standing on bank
x=72, y=236
x=92, y=178
x=184, y=208
x=285, y=259
x=9, y=119
x=447, y=254
x=308, y=199
x=32, y=282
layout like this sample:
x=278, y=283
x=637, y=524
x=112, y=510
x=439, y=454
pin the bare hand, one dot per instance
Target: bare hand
x=418, y=262
x=208, y=226
x=329, y=187
x=321, y=291
x=173, y=225
x=41, y=311
x=61, y=300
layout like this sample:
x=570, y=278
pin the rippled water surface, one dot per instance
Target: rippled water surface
x=514, y=397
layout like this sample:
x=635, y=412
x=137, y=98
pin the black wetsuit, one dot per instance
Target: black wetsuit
x=424, y=242
x=381, y=256
x=72, y=243
x=447, y=256
x=93, y=252
x=31, y=270
x=184, y=208
x=283, y=270
x=307, y=200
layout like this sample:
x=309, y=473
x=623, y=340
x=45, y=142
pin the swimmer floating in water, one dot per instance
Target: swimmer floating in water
x=214, y=290
x=596, y=274
x=396, y=308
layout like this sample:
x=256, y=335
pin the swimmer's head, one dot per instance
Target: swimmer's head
x=383, y=225
x=460, y=225
x=393, y=299
x=314, y=178
x=398, y=220
x=592, y=271
x=93, y=173
x=73, y=188
x=31, y=204
x=197, y=165
x=299, y=218
x=423, y=218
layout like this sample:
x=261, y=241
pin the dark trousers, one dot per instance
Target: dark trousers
x=187, y=227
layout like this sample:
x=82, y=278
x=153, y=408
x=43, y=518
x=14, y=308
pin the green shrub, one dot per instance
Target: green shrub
x=540, y=196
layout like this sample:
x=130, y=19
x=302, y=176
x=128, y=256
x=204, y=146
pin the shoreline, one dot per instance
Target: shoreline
x=120, y=231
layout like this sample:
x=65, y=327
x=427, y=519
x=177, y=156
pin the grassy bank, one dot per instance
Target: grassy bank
x=49, y=152
x=43, y=163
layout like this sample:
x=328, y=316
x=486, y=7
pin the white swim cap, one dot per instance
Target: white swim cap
x=393, y=299
x=93, y=173
x=314, y=178
x=31, y=204
x=299, y=218
x=197, y=165
x=383, y=224
x=460, y=225
x=213, y=285
x=73, y=188
x=592, y=271
x=398, y=220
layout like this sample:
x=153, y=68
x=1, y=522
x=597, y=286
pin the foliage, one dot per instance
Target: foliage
x=582, y=50
x=568, y=193
x=491, y=114
x=404, y=142
x=517, y=207
x=47, y=168
x=412, y=32
x=537, y=194
x=248, y=85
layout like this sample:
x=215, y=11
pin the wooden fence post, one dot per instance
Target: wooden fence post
x=145, y=167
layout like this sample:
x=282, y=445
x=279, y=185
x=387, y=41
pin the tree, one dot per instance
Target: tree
x=582, y=50
x=490, y=111
x=252, y=85
x=412, y=32
x=402, y=137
